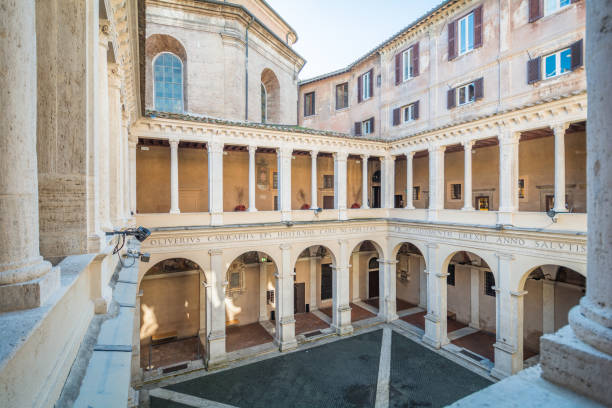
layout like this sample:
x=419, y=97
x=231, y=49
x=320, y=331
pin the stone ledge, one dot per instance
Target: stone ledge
x=29, y=294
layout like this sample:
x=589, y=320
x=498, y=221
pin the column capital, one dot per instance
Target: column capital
x=174, y=142
x=342, y=156
x=215, y=252
x=214, y=147
x=387, y=261
x=504, y=256
x=388, y=157
x=314, y=154
x=436, y=149
x=431, y=245
x=508, y=136
x=409, y=153
x=284, y=151
x=468, y=144
x=285, y=247
x=252, y=149
x=560, y=128
x=518, y=294
x=364, y=157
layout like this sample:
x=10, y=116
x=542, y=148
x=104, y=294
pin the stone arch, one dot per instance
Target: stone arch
x=156, y=44
x=419, y=245
x=577, y=267
x=269, y=81
x=411, y=279
x=489, y=259
x=377, y=245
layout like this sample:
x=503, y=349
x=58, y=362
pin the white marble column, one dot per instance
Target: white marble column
x=467, y=175
x=25, y=281
x=475, y=298
x=559, y=131
x=341, y=310
x=508, y=175
x=508, y=345
x=435, y=319
x=215, y=348
x=115, y=123
x=356, y=274
x=579, y=356
x=252, y=152
x=548, y=306
x=387, y=308
x=132, y=144
x=215, y=182
x=285, y=320
x=284, y=156
x=340, y=182
x=387, y=181
x=436, y=181
x=313, y=179
x=174, y=178
x=312, y=276
x=263, y=289
x=365, y=202
x=409, y=180
x=104, y=130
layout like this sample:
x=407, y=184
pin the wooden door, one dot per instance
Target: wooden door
x=373, y=284
x=299, y=297
x=328, y=202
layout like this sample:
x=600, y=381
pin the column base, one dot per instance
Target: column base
x=215, y=351
x=285, y=333
x=504, y=217
x=508, y=360
x=286, y=345
x=468, y=208
x=432, y=215
x=571, y=363
x=342, y=322
x=344, y=330
x=175, y=211
x=252, y=209
x=409, y=207
x=216, y=218
x=342, y=214
x=30, y=294
x=433, y=332
x=286, y=216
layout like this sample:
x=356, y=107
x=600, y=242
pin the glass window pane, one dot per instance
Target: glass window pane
x=566, y=60
x=550, y=6
x=565, y=3
x=461, y=95
x=470, y=32
x=462, y=35
x=471, y=92
x=550, y=65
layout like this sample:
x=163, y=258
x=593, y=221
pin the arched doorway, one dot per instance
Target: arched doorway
x=172, y=312
x=365, y=280
x=249, y=301
x=552, y=290
x=411, y=285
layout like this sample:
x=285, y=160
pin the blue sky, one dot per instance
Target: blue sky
x=334, y=33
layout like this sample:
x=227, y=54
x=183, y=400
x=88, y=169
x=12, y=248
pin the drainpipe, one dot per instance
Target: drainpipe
x=246, y=73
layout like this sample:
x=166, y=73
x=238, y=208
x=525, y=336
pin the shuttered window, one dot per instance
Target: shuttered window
x=407, y=113
x=465, y=33
x=309, y=104
x=541, y=8
x=368, y=126
x=465, y=94
x=342, y=96
x=366, y=86
x=357, y=128
x=555, y=64
x=407, y=64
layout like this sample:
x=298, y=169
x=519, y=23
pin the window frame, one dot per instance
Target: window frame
x=365, y=86
x=461, y=40
x=407, y=61
x=547, y=11
x=558, y=67
x=182, y=108
x=451, y=196
x=346, y=95
x=264, y=110
x=466, y=87
x=408, y=108
x=450, y=278
x=366, y=125
x=308, y=106
x=416, y=192
x=489, y=287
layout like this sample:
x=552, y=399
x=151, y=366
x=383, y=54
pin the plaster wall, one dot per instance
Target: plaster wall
x=459, y=299
x=410, y=291
x=244, y=306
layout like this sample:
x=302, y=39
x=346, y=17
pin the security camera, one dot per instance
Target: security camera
x=144, y=256
x=140, y=233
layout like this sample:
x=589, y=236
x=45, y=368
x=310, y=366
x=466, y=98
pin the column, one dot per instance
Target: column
x=365, y=202
x=548, y=306
x=409, y=180
x=215, y=296
x=314, y=263
x=284, y=155
x=422, y=283
x=508, y=175
x=103, y=124
x=24, y=279
x=509, y=321
x=115, y=123
x=263, y=289
x=341, y=315
x=125, y=176
x=467, y=175
x=387, y=181
x=313, y=179
x=174, y=180
x=387, y=288
x=252, y=151
x=435, y=319
x=436, y=181
x=285, y=321
x=559, y=131
x=475, y=298
x=132, y=143
x=340, y=180
x=202, y=332
x=579, y=355
x=215, y=182
x=356, y=274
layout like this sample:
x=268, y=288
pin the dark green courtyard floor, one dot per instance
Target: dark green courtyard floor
x=338, y=374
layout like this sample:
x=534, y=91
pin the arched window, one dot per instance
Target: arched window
x=168, y=85
x=264, y=104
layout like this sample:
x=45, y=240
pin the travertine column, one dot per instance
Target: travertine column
x=409, y=180
x=341, y=315
x=24, y=278
x=215, y=296
x=509, y=321
x=365, y=202
x=475, y=298
x=285, y=156
x=313, y=179
x=436, y=181
x=387, y=181
x=285, y=321
x=559, y=131
x=263, y=289
x=115, y=123
x=340, y=181
x=104, y=129
x=356, y=272
x=313, y=263
x=467, y=176
x=174, y=180
x=215, y=182
x=387, y=308
x=508, y=175
x=548, y=306
x=252, y=152
x=435, y=319
x=579, y=356
x=132, y=143
x=125, y=176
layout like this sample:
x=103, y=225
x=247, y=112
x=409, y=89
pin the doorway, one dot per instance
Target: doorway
x=375, y=196
x=299, y=298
